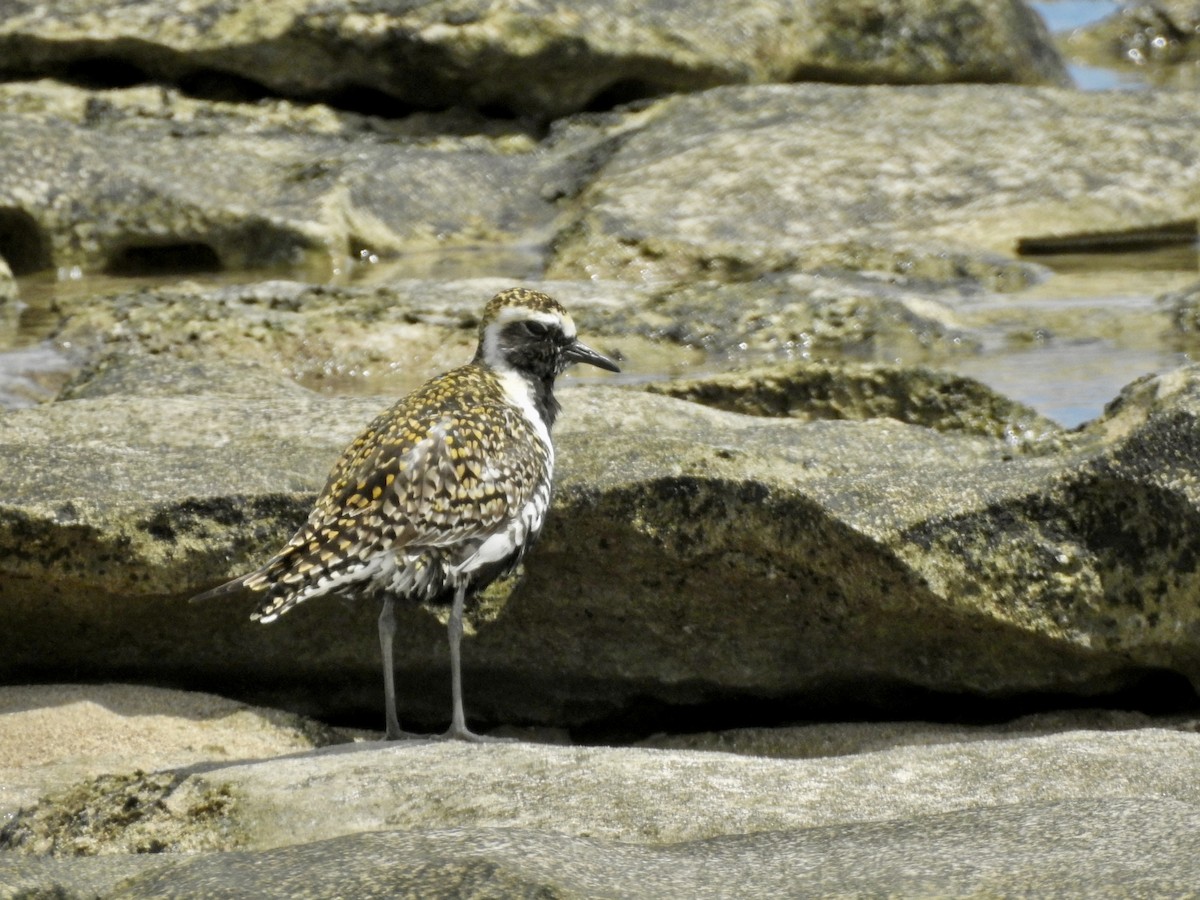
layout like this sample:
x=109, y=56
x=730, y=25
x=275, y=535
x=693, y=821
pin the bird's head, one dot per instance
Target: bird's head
x=529, y=332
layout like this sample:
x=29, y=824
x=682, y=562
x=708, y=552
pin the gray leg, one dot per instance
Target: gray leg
x=387, y=630
x=458, y=724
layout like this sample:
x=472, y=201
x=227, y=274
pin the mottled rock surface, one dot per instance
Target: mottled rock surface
x=726, y=185
x=694, y=556
x=52, y=736
x=146, y=184
x=390, y=338
x=1070, y=805
x=810, y=391
x=936, y=183
x=540, y=58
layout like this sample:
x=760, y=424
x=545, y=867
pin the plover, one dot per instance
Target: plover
x=441, y=494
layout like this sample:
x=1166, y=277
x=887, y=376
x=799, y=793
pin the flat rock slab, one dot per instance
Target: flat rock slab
x=1138, y=847
x=1073, y=813
x=728, y=184
x=54, y=735
x=925, y=182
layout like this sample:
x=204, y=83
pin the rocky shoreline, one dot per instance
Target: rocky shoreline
x=785, y=536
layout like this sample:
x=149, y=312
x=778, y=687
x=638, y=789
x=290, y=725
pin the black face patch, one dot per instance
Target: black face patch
x=533, y=347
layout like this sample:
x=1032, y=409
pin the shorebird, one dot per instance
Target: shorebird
x=441, y=494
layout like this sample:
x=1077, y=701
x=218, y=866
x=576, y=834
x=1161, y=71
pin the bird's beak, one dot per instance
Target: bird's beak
x=581, y=353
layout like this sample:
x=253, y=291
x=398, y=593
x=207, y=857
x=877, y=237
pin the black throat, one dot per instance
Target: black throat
x=543, y=397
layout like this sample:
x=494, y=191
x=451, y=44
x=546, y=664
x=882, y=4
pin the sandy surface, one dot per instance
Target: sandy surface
x=52, y=735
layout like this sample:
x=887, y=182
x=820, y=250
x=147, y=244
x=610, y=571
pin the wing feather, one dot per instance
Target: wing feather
x=443, y=468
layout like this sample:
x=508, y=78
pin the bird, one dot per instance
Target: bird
x=442, y=494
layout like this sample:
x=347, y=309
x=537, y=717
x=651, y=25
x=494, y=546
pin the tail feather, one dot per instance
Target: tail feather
x=235, y=586
x=292, y=577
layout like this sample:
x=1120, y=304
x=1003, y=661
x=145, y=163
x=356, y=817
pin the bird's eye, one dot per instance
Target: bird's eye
x=537, y=329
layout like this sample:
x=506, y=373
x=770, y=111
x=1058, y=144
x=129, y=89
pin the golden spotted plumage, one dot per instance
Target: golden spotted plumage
x=445, y=466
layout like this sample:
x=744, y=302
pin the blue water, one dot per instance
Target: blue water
x=1071, y=14
x=1074, y=13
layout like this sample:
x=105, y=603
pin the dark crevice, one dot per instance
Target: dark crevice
x=22, y=244
x=164, y=259
x=103, y=73
x=1130, y=240
x=619, y=93
x=370, y=101
x=97, y=71
x=1152, y=692
x=497, y=109
x=213, y=84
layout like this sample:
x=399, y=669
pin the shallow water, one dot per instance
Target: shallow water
x=1065, y=16
x=1065, y=347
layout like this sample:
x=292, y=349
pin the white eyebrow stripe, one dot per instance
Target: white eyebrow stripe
x=515, y=313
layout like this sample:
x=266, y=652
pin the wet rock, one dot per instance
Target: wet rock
x=736, y=183
x=391, y=337
x=809, y=391
x=543, y=59
x=694, y=558
x=1183, y=307
x=1160, y=39
x=166, y=376
x=1005, y=810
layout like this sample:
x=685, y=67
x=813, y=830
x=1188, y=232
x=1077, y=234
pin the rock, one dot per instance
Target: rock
x=167, y=376
x=695, y=559
x=141, y=188
x=1183, y=306
x=56, y=735
x=8, y=287
x=810, y=391
x=542, y=59
x=1158, y=38
x=736, y=183
x=999, y=852
x=986, y=811
x=990, y=851
x=346, y=338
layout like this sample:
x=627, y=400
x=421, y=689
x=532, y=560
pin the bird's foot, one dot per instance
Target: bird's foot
x=462, y=733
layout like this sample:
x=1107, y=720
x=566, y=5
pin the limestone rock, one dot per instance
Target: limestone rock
x=694, y=557
x=727, y=185
x=541, y=58
x=146, y=181
x=1055, y=813
x=390, y=338
x=810, y=391
x=1183, y=306
x=8, y=286
x=739, y=182
x=56, y=735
